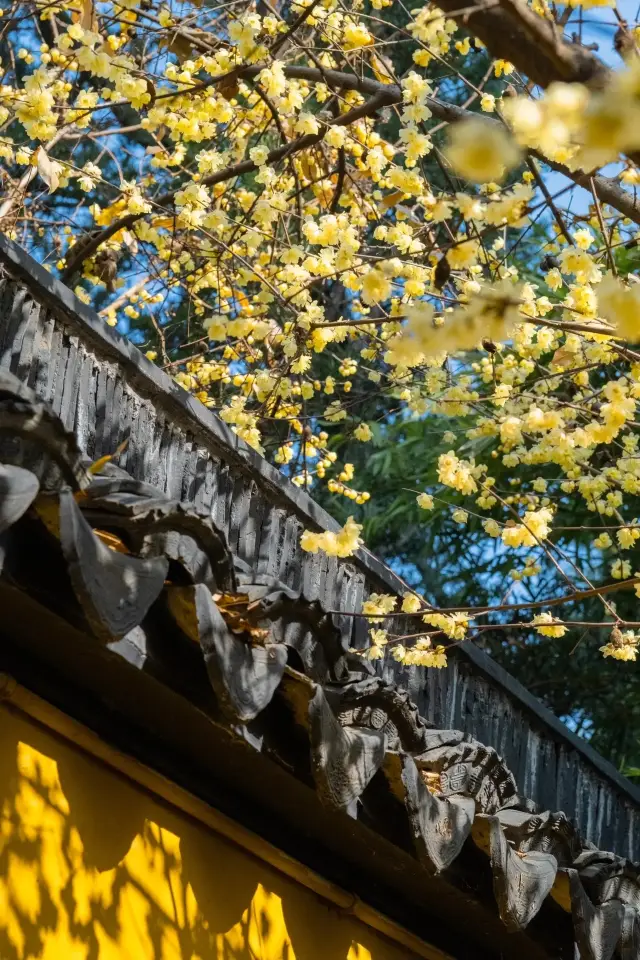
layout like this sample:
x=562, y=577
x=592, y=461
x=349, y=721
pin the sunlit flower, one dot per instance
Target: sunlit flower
x=342, y=543
x=481, y=151
x=548, y=625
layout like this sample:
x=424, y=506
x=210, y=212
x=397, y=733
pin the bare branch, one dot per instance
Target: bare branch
x=512, y=31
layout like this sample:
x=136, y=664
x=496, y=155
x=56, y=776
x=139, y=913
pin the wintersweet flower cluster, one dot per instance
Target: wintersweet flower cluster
x=572, y=124
x=535, y=527
x=620, y=305
x=490, y=313
x=623, y=645
x=482, y=151
x=457, y=474
x=344, y=543
x=421, y=654
x=377, y=605
x=453, y=625
x=548, y=626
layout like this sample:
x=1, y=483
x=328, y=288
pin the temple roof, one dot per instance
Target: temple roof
x=163, y=602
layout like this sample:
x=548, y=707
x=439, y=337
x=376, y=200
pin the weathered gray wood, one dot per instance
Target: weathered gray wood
x=597, y=928
x=521, y=882
x=244, y=677
x=343, y=760
x=114, y=590
x=24, y=358
x=439, y=827
x=18, y=489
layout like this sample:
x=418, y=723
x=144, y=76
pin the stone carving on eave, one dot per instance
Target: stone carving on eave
x=127, y=548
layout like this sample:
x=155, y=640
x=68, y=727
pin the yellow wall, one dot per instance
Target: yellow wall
x=92, y=868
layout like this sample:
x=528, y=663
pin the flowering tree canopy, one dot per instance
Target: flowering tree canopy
x=328, y=216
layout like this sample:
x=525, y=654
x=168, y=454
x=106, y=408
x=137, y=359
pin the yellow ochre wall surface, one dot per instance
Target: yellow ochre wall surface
x=94, y=868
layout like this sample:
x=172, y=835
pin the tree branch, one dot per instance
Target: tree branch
x=512, y=31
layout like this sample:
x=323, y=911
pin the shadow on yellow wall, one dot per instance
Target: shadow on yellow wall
x=93, y=868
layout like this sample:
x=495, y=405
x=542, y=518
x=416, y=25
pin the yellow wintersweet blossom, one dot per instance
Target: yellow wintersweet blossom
x=456, y=473
x=552, y=123
x=627, y=536
x=491, y=314
x=623, y=645
x=603, y=542
x=610, y=126
x=363, y=432
x=342, y=543
x=378, y=605
x=492, y=527
x=548, y=625
x=570, y=123
x=535, y=527
x=620, y=569
x=481, y=151
x=620, y=305
x=411, y=603
x=421, y=655
x=356, y=36
x=488, y=103
x=376, y=286
x=453, y=625
x=378, y=641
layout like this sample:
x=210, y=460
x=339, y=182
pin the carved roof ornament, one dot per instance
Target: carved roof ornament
x=127, y=549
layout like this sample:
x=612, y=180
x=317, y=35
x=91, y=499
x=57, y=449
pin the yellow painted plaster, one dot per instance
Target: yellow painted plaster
x=94, y=868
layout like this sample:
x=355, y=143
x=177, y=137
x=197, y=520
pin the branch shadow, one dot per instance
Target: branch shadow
x=93, y=867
